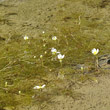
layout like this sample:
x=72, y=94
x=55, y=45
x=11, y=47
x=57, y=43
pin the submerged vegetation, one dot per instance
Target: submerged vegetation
x=29, y=57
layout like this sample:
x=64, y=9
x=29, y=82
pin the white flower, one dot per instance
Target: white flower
x=19, y=92
x=26, y=37
x=45, y=52
x=54, y=51
x=34, y=56
x=95, y=51
x=60, y=57
x=39, y=87
x=54, y=38
x=82, y=68
x=44, y=45
x=6, y=84
x=41, y=56
x=43, y=32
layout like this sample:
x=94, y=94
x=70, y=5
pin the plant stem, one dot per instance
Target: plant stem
x=82, y=69
x=42, y=62
x=96, y=64
x=61, y=62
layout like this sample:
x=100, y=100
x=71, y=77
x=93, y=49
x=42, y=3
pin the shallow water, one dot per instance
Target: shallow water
x=79, y=25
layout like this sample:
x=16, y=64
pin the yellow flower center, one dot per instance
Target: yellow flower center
x=95, y=53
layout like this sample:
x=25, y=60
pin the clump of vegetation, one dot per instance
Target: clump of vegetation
x=28, y=63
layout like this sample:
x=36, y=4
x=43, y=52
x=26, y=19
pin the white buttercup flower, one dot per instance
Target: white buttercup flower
x=45, y=52
x=19, y=92
x=54, y=38
x=34, y=56
x=60, y=57
x=43, y=32
x=39, y=87
x=54, y=51
x=95, y=51
x=26, y=37
x=41, y=56
x=82, y=68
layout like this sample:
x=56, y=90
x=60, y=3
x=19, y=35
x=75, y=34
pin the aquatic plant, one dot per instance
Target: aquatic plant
x=43, y=32
x=19, y=92
x=39, y=87
x=6, y=84
x=60, y=57
x=26, y=37
x=95, y=52
x=82, y=69
x=34, y=56
x=20, y=61
x=41, y=57
x=54, y=51
x=54, y=38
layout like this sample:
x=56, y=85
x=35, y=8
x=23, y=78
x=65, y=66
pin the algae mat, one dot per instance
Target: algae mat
x=80, y=25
